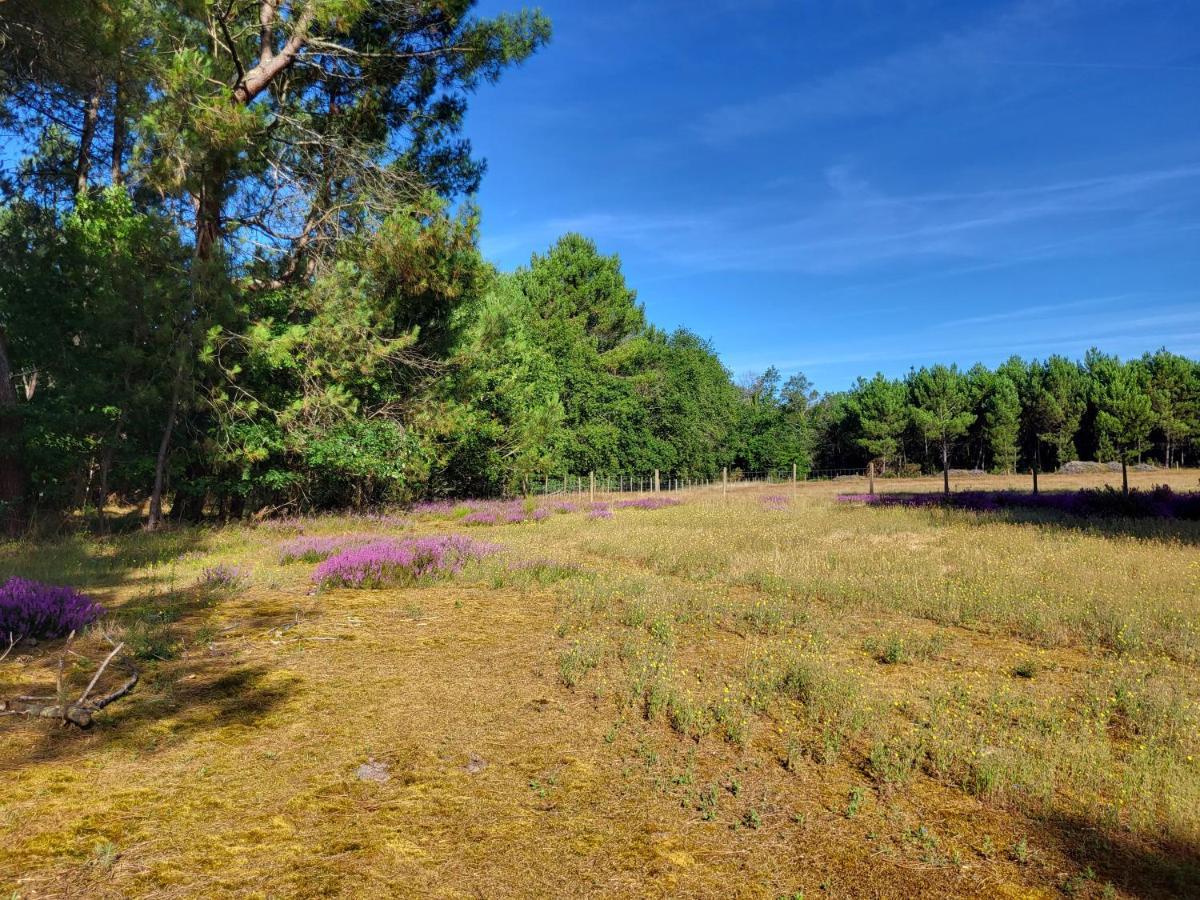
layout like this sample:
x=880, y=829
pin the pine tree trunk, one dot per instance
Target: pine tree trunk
x=164, y=446
x=91, y=115
x=12, y=473
x=210, y=205
x=945, y=467
x=106, y=459
x=117, y=162
x=1037, y=453
x=1124, y=476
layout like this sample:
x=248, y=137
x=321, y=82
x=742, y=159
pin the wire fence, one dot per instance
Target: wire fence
x=655, y=481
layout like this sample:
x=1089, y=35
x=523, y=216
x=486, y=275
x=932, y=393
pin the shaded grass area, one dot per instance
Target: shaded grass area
x=729, y=697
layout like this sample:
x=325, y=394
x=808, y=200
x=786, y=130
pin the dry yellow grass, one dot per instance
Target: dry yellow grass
x=827, y=700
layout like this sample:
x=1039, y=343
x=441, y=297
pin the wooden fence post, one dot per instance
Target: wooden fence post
x=871, y=478
x=724, y=482
x=592, y=486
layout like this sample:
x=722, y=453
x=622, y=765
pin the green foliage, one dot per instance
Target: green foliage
x=941, y=407
x=94, y=301
x=882, y=410
x=1126, y=414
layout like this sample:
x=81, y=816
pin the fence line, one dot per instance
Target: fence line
x=657, y=481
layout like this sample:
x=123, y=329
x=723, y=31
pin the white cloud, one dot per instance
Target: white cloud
x=950, y=65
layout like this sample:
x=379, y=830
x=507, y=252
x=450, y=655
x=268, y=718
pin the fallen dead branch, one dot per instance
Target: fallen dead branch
x=78, y=712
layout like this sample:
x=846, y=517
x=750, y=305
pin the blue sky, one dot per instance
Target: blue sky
x=845, y=186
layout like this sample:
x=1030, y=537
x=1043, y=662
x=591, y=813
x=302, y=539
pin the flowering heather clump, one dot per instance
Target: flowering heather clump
x=564, y=506
x=600, y=512
x=32, y=609
x=647, y=503
x=504, y=512
x=1159, y=502
x=481, y=517
x=224, y=577
x=776, y=501
x=315, y=549
x=386, y=562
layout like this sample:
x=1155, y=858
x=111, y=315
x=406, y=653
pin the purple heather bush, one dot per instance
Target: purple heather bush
x=600, y=512
x=388, y=562
x=503, y=512
x=314, y=549
x=223, y=577
x=776, y=501
x=1159, y=502
x=32, y=609
x=647, y=503
x=481, y=517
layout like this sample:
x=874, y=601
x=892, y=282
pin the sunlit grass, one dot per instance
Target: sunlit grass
x=745, y=674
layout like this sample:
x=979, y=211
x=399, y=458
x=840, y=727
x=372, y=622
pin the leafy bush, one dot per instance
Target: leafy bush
x=32, y=609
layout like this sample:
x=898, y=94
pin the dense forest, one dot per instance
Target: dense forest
x=239, y=272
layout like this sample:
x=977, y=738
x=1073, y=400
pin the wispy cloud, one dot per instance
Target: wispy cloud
x=951, y=65
x=1040, y=312
x=856, y=226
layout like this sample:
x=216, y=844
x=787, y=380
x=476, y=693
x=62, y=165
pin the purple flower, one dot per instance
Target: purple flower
x=776, y=501
x=225, y=577
x=479, y=518
x=600, y=512
x=32, y=609
x=387, y=562
x=315, y=549
x=647, y=503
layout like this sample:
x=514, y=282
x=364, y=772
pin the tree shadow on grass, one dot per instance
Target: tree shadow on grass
x=99, y=564
x=1170, y=869
x=188, y=699
x=1160, y=530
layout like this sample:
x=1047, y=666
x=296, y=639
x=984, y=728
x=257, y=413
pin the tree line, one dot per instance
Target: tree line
x=1021, y=416
x=237, y=276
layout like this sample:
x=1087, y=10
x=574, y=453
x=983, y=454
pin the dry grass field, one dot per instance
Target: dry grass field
x=770, y=694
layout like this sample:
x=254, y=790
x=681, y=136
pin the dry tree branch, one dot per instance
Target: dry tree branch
x=100, y=671
x=80, y=712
